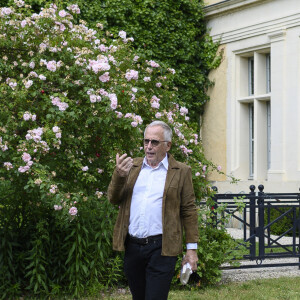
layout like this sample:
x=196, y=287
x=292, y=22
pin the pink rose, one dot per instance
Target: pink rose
x=26, y=157
x=73, y=211
x=51, y=65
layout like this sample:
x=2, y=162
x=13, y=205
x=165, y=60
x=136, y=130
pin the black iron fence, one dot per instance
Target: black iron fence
x=257, y=222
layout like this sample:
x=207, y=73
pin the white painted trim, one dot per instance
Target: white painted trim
x=270, y=171
x=227, y=6
x=273, y=28
x=251, y=98
x=277, y=36
x=261, y=48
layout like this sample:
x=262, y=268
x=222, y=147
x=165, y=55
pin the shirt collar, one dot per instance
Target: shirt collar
x=164, y=162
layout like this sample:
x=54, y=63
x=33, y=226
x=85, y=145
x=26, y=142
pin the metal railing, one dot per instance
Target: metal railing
x=257, y=223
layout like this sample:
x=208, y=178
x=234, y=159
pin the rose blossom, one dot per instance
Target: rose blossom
x=28, y=84
x=73, y=211
x=155, y=105
x=62, y=13
x=19, y=3
x=104, y=77
x=74, y=8
x=131, y=74
x=84, y=169
x=53, y=188
x=42, y=77
x=183, y=111
x=38, y=181
x=8, y=165
x=51, y=65
x=62, y=106
x=5, y=11
x=23, y=169
x=57, y=207
x=113, y=100
x=26, y=116
x=93, y=98
x=26, y=157
x=55, y=129
x=119, y=114
x=122, y=34
x=99, y=194
x=153, y=64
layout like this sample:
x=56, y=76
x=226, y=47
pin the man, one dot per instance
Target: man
x=156, y=200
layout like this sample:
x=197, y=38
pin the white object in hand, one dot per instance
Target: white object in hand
x=185, y=273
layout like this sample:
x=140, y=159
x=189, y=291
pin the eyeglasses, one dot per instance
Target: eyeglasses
x=154, y=143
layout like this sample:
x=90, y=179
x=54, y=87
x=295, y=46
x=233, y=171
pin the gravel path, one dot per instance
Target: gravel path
x=240, y=275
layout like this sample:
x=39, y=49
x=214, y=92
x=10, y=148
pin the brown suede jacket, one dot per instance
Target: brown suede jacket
x=179, y=209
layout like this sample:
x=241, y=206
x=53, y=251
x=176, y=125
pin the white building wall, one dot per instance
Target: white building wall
x=256, y=29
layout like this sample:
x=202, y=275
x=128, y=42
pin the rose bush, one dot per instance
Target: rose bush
x=71, y=99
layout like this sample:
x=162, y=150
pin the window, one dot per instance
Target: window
x=253, y=90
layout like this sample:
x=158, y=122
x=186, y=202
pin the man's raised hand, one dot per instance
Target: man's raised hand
x=123, y=164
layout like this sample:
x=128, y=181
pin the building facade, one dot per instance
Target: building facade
x=251, y=126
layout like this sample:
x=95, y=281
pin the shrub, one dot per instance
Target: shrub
x=215, y=246
x=282, y=225
x=172, y=32
x=71, y=98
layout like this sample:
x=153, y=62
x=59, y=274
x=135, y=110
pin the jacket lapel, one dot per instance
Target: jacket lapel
x=134, y=172
x=173, y=168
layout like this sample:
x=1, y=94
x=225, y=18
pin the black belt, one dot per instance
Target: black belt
x=144, y=241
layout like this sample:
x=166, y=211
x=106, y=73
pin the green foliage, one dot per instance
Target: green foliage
x=71, y=98
x=215, y=246
x=284, y=224
x=171, y=32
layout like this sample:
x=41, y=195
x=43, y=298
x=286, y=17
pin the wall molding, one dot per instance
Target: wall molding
x=274, y=29
x=228, y=6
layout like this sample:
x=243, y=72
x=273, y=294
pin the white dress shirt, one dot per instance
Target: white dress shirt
x=146, y=204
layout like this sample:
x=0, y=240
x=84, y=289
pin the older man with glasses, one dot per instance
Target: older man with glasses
x=156, y=198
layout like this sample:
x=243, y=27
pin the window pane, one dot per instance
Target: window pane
x=251, y=75
x=251, y=140
x=269, y=134
x=268, y=73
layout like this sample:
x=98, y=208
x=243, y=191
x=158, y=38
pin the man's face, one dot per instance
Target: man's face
x=155, y=155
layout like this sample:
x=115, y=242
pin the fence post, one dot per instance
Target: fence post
x=261, y=223
x=252, y=222
x=213, y=208
x=298, y=223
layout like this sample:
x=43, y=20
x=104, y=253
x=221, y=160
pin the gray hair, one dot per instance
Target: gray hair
x=166, y=128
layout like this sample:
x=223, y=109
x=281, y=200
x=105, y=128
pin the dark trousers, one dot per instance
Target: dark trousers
x=149, y=274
